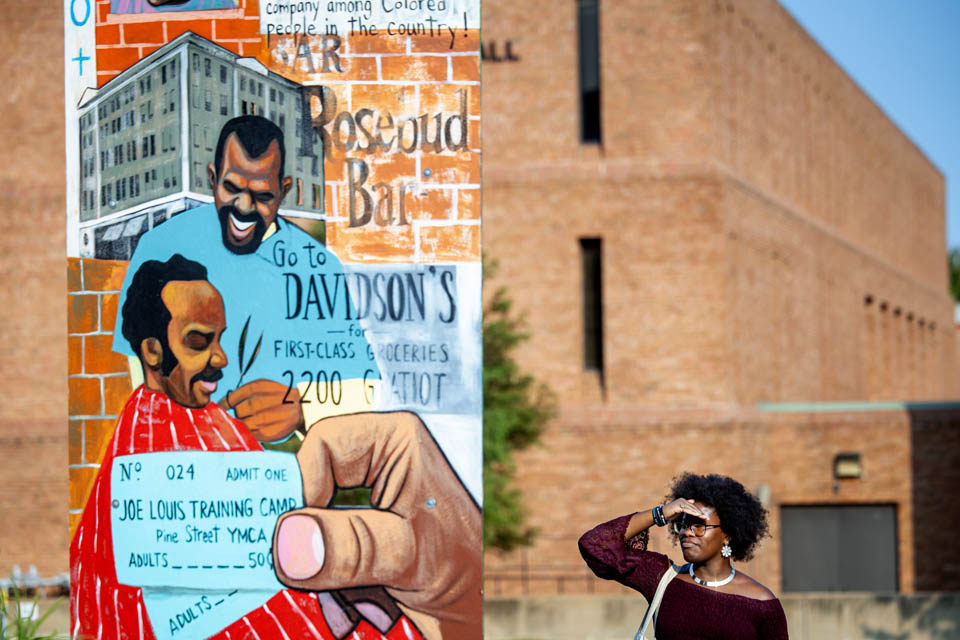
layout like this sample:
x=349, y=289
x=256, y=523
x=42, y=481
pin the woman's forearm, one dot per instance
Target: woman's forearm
x=640, y=521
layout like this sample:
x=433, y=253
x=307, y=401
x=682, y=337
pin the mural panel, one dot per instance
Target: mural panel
x=273, y=229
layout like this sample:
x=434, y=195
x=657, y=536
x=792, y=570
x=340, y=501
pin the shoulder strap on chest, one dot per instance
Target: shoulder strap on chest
x=668, y=575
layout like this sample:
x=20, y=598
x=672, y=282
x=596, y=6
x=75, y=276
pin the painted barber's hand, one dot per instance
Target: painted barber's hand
x=270, y=410
x=421, y=540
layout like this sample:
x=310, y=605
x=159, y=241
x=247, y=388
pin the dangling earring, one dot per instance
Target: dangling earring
x=726, y=551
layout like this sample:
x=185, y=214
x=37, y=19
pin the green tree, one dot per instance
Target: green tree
x=953, y=265
x=515, y=407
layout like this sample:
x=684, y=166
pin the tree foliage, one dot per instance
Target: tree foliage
x=515, y=407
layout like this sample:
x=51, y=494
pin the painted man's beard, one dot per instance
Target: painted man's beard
x=228, y=211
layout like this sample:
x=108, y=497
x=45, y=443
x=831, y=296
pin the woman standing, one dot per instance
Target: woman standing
x=715, y=520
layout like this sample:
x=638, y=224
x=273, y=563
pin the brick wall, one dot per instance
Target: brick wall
x=734, y=85
x=398, y=78
x=98, y=379
x=768, y=236
x=935, y=442
x=813, y=318
x=739, y=251
x=123, y=39
x=790, y=121
x=599, y=464
x=33, y=354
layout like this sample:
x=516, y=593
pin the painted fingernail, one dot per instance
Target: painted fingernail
x=300, y=548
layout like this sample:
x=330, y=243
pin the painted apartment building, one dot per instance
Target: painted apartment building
x=148, y=135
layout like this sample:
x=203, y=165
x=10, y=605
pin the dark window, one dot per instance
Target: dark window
x=223, y=74
x=591, y=253
x=588, y=42
x=839, y=548
x=163, y=74
x=207, y=67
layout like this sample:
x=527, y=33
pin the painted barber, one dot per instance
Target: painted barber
x=278, y=361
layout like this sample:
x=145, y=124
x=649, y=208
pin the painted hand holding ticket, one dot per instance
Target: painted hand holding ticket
x=201, y=520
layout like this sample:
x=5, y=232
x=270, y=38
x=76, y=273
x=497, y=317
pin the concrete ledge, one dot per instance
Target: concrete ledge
x=933, y=616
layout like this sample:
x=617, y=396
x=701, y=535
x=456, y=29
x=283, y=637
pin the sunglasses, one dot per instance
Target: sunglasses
x=696, y=527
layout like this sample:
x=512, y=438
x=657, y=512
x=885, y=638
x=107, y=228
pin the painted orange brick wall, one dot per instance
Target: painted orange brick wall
x=407, y=77
x=123, y=39
x=98, y=379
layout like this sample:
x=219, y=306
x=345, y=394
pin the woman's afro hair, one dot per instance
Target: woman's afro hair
x=741, y=515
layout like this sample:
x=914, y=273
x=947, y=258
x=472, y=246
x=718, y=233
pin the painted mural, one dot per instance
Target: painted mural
x=273, y=229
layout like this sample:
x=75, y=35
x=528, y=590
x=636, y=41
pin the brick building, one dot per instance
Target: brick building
x=732, y=261
x=769, y=246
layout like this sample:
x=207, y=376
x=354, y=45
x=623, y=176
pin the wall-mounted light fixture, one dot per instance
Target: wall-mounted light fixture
x=847, y=465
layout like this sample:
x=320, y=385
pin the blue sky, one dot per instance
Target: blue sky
x=905, y=54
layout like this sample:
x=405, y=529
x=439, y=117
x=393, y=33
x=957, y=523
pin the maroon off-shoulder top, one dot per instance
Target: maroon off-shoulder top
x=688, y=611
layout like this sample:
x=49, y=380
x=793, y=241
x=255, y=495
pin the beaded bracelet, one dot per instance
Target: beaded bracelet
x=658, y=518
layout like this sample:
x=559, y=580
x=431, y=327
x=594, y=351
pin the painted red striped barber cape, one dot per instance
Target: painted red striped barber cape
x=104, y=609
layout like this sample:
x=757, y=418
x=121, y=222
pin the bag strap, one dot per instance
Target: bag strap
x=668, y=575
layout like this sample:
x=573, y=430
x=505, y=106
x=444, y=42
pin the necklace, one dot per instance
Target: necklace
x=715, y=583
